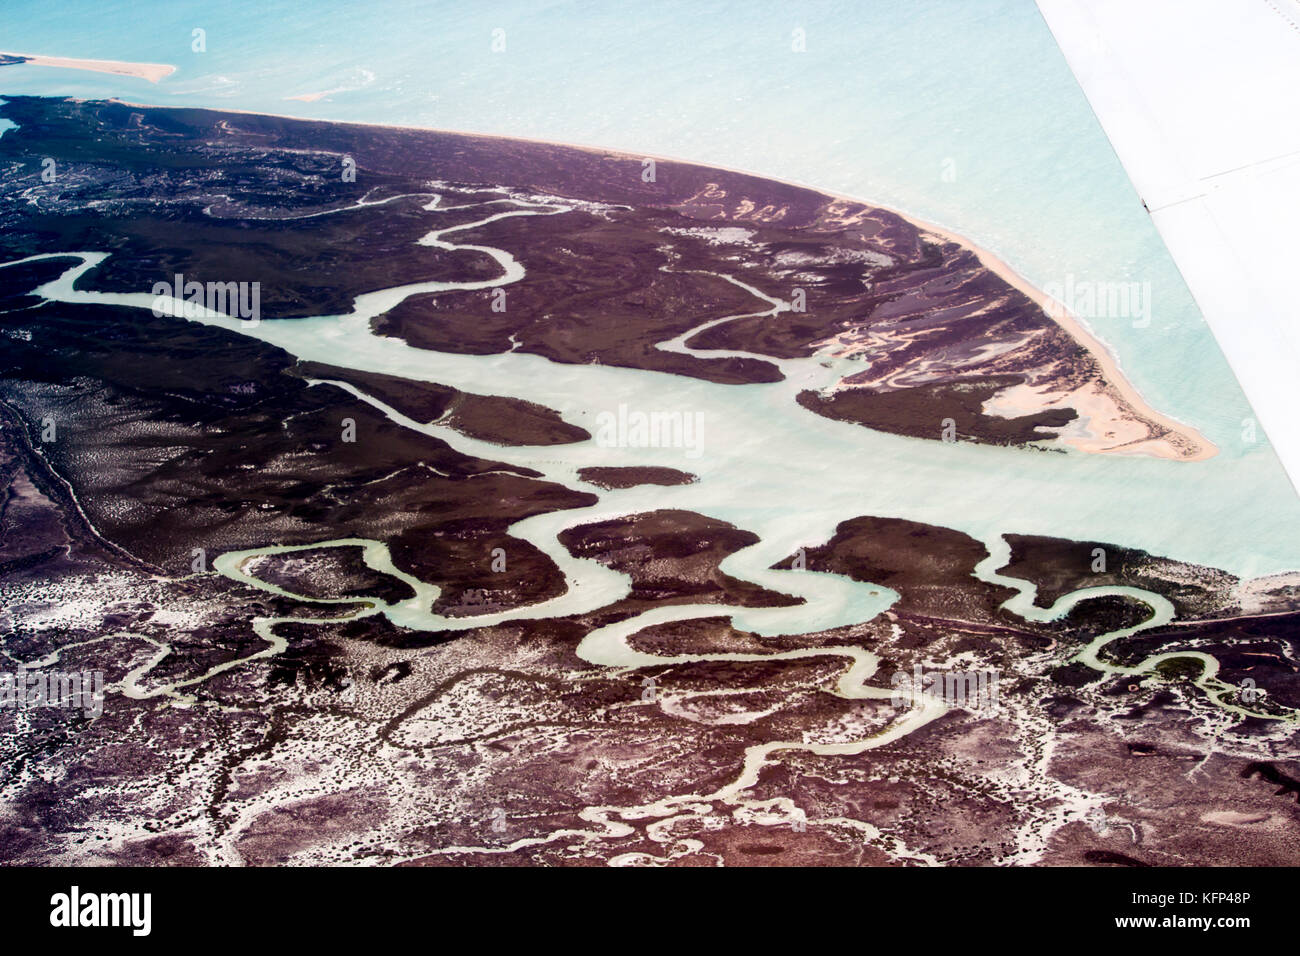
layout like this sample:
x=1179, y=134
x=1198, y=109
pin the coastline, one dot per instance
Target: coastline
x=1075, y=328
x=1071, y=324
x=153, y=72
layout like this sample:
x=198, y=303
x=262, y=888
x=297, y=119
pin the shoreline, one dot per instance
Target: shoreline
x=313, y=97
x=153, y=72
x=1077, y=330
x=1055, y=311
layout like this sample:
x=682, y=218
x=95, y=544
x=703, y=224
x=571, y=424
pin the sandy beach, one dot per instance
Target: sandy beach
x=1054, y=310
x=153, y=72
x=311, y=97
x=1058, y=313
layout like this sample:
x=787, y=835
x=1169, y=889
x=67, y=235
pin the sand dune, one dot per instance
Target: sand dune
x=153, y=72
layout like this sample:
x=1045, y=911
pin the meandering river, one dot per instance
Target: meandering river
x=765, y=464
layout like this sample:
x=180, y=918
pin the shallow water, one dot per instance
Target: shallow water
x=767, y=465
x=770, y=466
x=963, y=114
x=881, y=107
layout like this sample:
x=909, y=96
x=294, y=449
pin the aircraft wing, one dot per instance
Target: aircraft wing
x=1201, y=101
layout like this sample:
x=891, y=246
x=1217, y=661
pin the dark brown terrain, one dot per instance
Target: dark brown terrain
x=241, y=725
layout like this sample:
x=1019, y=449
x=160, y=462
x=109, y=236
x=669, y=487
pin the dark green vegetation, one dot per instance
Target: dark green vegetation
x=179, y=437
x=237, y=197
x=949, y=411
x=491, y=418
x=246, y=727
x=1058, y=566
x=633, y=475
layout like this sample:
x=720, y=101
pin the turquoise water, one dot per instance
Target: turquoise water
x=963, y=114
x=1219, y=512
